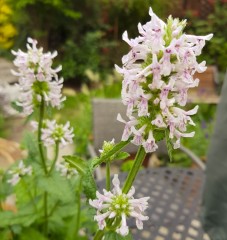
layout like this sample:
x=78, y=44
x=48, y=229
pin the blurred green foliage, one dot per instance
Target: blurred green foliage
x=215, y=51
x=2, y=125
x=87, y=34
x=78, y=107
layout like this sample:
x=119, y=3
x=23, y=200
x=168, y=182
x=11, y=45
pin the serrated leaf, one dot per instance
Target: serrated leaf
x=57, y=187
x=24, y=217
x=78, y=163
x=32, y=146
x=24, y=190
x=122, y=155
x=111, y=235
x=89, y=185
x=169, y=145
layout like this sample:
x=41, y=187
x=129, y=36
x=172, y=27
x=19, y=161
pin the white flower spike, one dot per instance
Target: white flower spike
x=157, y=72
x=37, y=78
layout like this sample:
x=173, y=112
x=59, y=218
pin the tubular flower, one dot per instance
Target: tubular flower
x=118, y=206
x=19, y=172
x=53, y=133
x=157, y=72
x=37, y=79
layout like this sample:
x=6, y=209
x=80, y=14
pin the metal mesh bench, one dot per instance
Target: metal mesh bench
x=175, y=194
x=174, y=204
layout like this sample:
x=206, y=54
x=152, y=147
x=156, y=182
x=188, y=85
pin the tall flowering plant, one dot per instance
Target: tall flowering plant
x=157, y=73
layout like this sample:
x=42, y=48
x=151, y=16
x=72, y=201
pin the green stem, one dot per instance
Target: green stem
x=134, y=170
x=108, y=176
x=99, y=235
x=53, y=209
x=45, y=214
x=41, y=115
x=55, y=157
x=77, y=227
x=43, y=161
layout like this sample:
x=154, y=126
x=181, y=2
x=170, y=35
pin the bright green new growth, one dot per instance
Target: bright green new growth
x=58, y=133
x=120, y=204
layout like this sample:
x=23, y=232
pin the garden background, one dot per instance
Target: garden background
x=88, y=37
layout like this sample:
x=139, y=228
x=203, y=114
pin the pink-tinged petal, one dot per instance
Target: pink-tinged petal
x=131, y=192
x=123, y=230
x=112, y=215
x=116, y=183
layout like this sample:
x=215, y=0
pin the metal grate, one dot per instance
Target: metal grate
x=173, y=206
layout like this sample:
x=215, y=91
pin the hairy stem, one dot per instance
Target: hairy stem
x=43, y=161
x=99, y=235
x=53, y=209
x=55, y=157
x=108, y=176
x=41, y=115
x=45, y=214
x=77, y=226
x=134, y=170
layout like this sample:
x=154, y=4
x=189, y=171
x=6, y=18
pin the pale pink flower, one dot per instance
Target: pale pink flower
x=116, y=204
x=18, y=172
x=53, y=133
x=37, y=78
x=158, y=72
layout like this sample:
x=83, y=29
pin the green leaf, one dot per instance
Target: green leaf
x=16, y=107
x=111, y=235
x=31, y=145
x=78, y=163
x=23, y=190
x=122, y=155
x=5, y=235
x=158, y=135
x=169, y=145
x=31, y=233
x=88, y=182
x=57, y=187
x=24, y=217
x=71, y=230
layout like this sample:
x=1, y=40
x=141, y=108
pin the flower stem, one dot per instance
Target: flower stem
x=43, y=161
x=99, y=235
x=78, y=208
x=134, y=170
x=108, y=176
x=41, y=115
x=53, y=209
x=55, y=158
x=45, y=214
